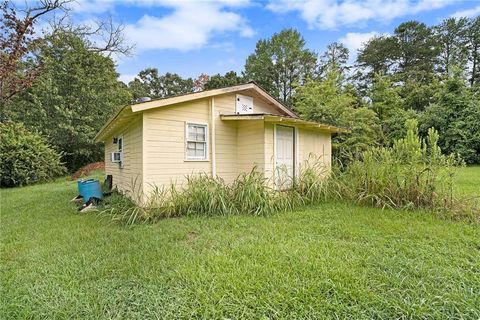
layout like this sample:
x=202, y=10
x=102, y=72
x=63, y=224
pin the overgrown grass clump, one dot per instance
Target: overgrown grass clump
x=412, y=174
x=251, y=193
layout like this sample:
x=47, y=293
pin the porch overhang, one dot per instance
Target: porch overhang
x=277, y=119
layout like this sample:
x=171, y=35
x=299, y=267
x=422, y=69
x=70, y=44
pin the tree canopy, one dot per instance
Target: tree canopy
x=71, y=99
x=149, y=83
x=281, y=63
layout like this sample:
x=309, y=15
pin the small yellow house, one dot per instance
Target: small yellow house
x=221, y=132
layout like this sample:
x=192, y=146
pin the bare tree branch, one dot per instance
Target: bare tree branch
x=18, y=41
x=102, y=36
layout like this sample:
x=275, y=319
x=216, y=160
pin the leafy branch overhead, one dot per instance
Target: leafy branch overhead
x=18, y=43
x=21, y=39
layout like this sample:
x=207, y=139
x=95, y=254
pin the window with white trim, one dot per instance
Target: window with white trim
x=196, y=146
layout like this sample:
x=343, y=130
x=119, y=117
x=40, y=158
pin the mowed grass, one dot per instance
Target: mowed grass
x=336, y=260
x=468, y=181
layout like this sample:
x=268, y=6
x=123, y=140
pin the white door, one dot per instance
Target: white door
x=284, y=158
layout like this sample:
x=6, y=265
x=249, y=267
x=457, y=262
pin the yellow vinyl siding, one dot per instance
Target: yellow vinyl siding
x=269, y=148
x=260, y=106
x=164, y=143
x=225, y=138
x=315, y=143
x=250, y=146
x=130, y=176
x=228, y=104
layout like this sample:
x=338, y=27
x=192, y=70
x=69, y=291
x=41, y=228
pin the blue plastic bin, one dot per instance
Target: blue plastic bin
x=89, y=188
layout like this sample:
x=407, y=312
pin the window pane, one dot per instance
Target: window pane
x=191, y=152
x=200, y=153
x=196, y=141
x=191, y=132
x=201, y=137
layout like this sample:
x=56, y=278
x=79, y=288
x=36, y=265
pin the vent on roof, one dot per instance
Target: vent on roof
x=244, y=104
x=144, y=99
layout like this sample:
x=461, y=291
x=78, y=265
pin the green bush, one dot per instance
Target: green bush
x=413, y=174
x=25, y=157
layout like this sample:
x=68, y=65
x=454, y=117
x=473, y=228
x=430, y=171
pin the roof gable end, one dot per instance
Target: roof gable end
x=143, y=106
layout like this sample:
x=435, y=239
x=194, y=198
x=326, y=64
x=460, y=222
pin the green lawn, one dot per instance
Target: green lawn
x=468, y=180
x=334, y=261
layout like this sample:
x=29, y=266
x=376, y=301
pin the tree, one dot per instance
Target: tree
x=327, y=101
x=410, y=54
x=387, y=104
x=149, y=83
x=200, y=82
x=18, y=43
x=230, y=78
x=456, y=115
x=451, y=37
x=416, y=51
x=376, y=57
x=20, y=40
x=335, y=57
x=473, y=46
x=69, y=102
x=417, y=96
x=281, y=63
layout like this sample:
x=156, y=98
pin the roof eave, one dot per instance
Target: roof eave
x=283, y=119
x=99, y=136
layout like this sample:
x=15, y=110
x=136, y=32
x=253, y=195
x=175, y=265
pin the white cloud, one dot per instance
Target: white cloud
x=190, y=24
x=331, y=14
x=355, y=40
x=101, y=6
x=468, y=13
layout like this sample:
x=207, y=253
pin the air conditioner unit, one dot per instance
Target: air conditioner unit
x=244, y=104
x=116, y=157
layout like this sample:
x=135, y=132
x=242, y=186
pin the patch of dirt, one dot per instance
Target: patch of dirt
x=192, y=236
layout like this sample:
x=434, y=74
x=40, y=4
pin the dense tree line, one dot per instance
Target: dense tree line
x=431, y=74
x=63, y=87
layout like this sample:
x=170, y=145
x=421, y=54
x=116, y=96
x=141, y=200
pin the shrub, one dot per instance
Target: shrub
x=25, y=157
x=412, y=174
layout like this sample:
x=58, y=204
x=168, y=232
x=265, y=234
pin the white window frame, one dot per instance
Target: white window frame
x=207, y=141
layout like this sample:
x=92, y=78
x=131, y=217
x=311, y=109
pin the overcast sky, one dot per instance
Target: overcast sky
x=191, y=37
